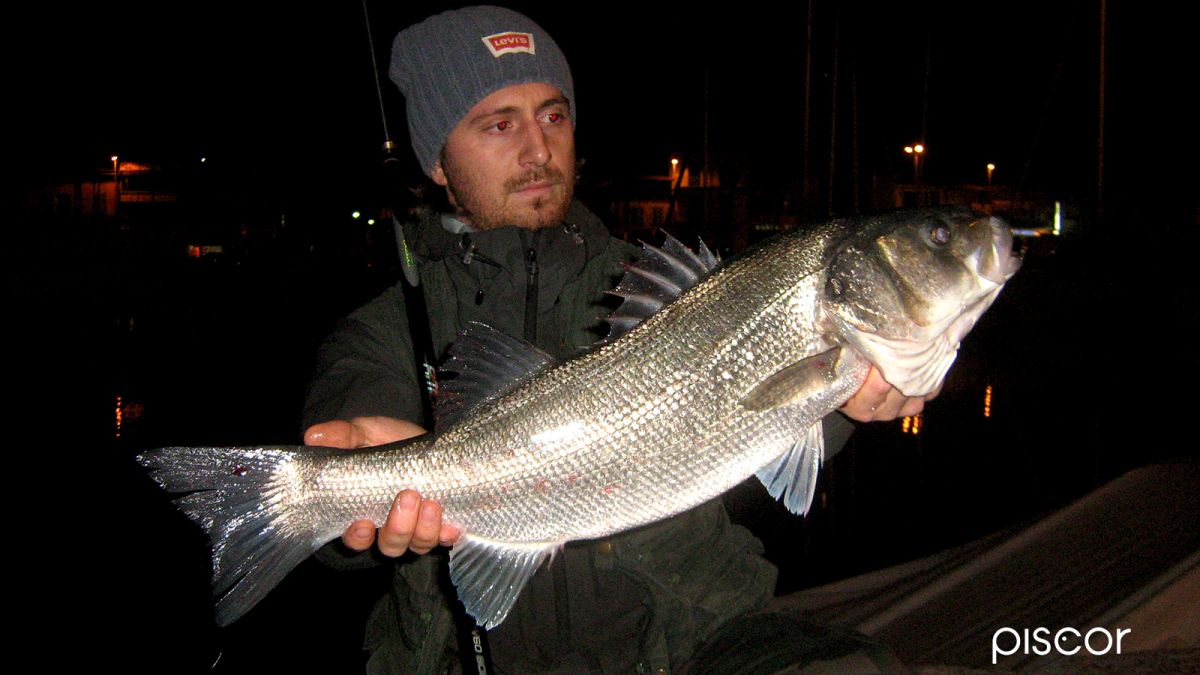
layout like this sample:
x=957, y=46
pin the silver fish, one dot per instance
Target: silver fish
x=688, y=397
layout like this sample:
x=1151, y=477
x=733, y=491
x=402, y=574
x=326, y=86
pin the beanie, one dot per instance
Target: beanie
x=447, y=63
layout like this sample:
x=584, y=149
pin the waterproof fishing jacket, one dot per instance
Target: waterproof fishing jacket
x=639, y=601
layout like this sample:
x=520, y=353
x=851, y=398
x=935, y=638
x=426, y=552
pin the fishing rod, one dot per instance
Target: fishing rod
x=473, y=645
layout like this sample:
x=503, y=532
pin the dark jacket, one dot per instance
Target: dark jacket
x=638, y=601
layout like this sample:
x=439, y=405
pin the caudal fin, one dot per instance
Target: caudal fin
x=241, y=497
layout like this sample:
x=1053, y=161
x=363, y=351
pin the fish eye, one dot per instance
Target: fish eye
x=938, y=234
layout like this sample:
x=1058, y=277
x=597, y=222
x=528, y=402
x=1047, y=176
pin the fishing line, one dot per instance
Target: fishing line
x=387, y=137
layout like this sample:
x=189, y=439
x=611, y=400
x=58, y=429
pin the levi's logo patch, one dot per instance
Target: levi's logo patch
x=509, y=43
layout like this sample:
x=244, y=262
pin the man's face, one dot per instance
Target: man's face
x=511, y=159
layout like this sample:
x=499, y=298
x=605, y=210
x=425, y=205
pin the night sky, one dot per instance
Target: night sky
x=285, y=99
x=282, y=104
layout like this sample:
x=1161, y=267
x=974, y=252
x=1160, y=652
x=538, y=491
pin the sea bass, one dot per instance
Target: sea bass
x=712, y=373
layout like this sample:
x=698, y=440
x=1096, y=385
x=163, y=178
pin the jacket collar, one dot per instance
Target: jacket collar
x=561, y=250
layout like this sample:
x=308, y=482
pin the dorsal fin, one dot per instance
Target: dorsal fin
x=662, y=275
x=486, y=364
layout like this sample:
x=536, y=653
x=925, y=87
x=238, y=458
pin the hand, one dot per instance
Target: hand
x=413, y=524
x=877, y=401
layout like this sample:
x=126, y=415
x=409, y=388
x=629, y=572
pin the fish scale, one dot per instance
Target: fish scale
x=730, y=379
x=603, y=454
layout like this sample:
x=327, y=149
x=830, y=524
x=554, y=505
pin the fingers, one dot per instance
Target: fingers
x=361, y=432
x=359, y=536
x=870, y=397
x=333, y=434
x=877, y=401
x=379, y=430
x=413, y=524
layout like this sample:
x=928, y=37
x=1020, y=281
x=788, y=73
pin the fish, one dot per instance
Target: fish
x=713, y=371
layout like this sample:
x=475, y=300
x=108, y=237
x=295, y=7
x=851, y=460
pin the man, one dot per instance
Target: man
x=491, y=112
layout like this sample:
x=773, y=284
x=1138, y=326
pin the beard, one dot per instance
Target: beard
x=488, y=208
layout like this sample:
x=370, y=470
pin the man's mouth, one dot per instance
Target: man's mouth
x=536, y=183
x=536, y=187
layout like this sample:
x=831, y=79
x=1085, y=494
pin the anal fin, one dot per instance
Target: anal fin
x=489, y=575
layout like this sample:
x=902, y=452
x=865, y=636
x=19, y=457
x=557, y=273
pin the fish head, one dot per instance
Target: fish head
x=904, y=289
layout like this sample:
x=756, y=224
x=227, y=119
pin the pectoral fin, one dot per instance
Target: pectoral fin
x=794, y=383
x=793, y=476
x=490, y=575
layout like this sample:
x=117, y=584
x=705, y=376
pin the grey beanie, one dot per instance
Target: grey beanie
x=453, y=60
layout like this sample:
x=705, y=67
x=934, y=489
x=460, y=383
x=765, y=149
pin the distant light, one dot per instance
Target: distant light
x=911, y=425
x=203, y=160
x=991, y=167
x=1057, y=218
x=371, y=221
x=908, y=149
x=904, y=424
x=119, y=411
x=674, y=162
x=355, y=215
x=918, y=148
x=987, y=401
x=916, y=425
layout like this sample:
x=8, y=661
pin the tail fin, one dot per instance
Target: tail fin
x=244, y=500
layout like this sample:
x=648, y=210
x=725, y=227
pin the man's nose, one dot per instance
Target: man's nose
x=534, y=150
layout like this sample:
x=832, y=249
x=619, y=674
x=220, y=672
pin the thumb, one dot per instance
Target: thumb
x=333, y=434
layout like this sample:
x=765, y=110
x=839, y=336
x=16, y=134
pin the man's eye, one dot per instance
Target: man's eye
x=555, y=117
x=502, y=126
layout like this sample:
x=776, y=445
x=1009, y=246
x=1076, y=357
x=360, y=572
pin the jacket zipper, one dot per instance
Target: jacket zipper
x=531, y=287
x=562, y=603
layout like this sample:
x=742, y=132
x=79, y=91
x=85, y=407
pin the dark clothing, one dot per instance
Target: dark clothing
x=642, y=600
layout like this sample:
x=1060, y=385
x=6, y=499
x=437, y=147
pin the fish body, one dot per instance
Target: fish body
x=729, y=379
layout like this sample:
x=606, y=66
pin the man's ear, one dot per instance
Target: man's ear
x=437, y=174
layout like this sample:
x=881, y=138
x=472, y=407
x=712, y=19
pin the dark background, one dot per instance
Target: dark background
x=1089, y=350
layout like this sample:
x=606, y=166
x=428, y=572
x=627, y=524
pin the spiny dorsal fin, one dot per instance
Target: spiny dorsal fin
x=487, y=364
x=662, y=275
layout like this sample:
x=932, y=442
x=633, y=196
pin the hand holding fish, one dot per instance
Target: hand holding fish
x=413, y=524
x=878, y=401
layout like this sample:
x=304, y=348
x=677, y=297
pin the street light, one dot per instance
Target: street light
x=990, y=168
x=916, y=150
x=116, y=185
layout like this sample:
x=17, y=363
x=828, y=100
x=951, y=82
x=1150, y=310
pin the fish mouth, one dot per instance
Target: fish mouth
x=1000, y=262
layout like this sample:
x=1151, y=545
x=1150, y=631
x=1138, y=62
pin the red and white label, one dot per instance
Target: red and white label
x=509, y=43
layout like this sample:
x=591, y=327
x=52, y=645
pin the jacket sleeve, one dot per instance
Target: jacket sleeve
x=366, y=367
x=837, y=433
